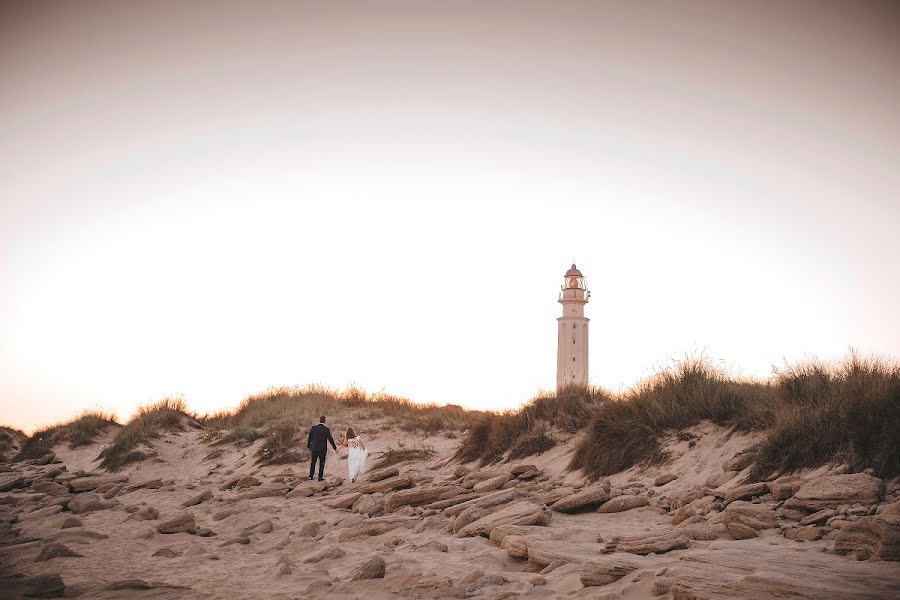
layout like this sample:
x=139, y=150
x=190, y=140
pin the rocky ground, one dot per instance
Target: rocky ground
x=206, y=522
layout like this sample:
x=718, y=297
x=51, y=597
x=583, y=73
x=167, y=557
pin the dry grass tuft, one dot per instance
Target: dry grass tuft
x=624, y=432
x=848, y=412
x=282, y=415
x=11, y=441
x=493, y=434
x=168, y=414
x=78, y=432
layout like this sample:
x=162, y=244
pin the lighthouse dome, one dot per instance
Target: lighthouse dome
x=573, y=272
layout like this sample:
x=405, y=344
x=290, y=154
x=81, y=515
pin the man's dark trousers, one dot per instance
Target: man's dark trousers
x=317, y=442
x=320, y=456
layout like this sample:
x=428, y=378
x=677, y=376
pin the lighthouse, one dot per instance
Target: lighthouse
x=572, y=351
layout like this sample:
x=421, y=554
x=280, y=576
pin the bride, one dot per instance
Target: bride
x=356, y=459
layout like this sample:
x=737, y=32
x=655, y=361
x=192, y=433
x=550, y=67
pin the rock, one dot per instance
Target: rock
x=51, y=488
x=47, y=511
x=447, y=503
x=591, y=497
x=166, y=553
x=489, y=485
x=520, y=469
x=86, y=503
x=373, y=568
x=656, y=541
x=11, y=483
x=484, y=582
x=607, y=569
x=452, y=491
x=269, y=490
x=493, y=499
x=241, y=539
x=50, y=585
x=182, y=523
x=310, y=529
x=301, y=491
x=151, y=484
x=528, y=475
x=70, y=522
x=755, y=516
x=739, y=531
x=433, y=545
x=383, y=474
x=623, y=503
x=368, y=504
x=223, y=514
x=334, y=482
x=719, y=479
x=86, y=484
x=470, y=515
x=246, y=482
x=739, y=462
x=831, y=491
x=474, y=477
x=785, y=486
x=515, y=545
x=376, y=526
x=461, y=471
x=520, y=513
x=414, y=497
x=201, y=497
x=808, y=533
x=700, y=506
x=664, y=479
x=148, y=513
x=140, y=584
x=700, y=531
x=745, y=491
x=345, y=501
x=261, y=527
x=681, y=498
x=878, y=535
x=389, y=484
x=820, y=517
x=324, y=554
x=54, y=550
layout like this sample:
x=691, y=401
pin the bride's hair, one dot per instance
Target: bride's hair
x=350, y=433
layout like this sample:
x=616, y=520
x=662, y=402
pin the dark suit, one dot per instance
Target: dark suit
x=317, y=442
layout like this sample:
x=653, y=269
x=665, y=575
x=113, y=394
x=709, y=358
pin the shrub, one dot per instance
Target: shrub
x=87, y=427
x=536, y=441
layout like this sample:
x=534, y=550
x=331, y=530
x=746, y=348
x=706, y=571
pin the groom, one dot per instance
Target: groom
x=317, y=442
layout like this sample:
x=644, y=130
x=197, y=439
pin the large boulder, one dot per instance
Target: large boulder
x=86, y=484
x=414, y=497
x=368, y=504
x=623, y=503
x=373, y=568
x=85, y=503
x=590, y=497
x=878, y=535
x=785, y=486
x=656, y=541
x=608, y=569
x=185, y=522
x=831, y=491
x=754, y=516
x=520, y=513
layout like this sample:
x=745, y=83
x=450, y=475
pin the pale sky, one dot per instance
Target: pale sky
x=210, y=199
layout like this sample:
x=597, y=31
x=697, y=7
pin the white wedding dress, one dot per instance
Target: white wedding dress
x=356, y=460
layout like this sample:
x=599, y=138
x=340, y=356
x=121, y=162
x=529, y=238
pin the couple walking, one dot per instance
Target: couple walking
x=318, y=440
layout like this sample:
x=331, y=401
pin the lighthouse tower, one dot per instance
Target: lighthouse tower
x=572, y=352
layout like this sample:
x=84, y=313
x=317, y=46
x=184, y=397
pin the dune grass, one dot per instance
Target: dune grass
x=281, y=416
x=166, y=415
x=847, y=412
x=493, y=434
x=79, y=432
x=11, y=441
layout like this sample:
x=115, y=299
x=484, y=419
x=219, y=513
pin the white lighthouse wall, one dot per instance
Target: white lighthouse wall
x=572, y=354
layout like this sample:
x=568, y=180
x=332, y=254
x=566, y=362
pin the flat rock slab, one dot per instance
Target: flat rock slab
x=195, y=500
x=657, y=542
x=383, y=474
x=56, y=550
x=387, y=485
x=269, y=490
x=520, y=513
x=623, y=503
x=591, y=497
x=414, y=497
x=86, y=484
x=493, y=499
x=831, y=491
x=377, y=526
x=185, y=523
x=609, y=569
